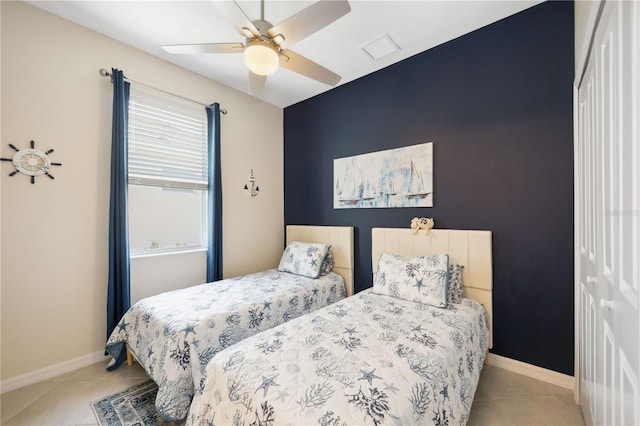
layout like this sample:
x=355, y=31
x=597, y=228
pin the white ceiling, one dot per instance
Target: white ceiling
x=414, y=26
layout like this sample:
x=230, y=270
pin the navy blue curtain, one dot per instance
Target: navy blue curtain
x=118, y=294
x=214, y=252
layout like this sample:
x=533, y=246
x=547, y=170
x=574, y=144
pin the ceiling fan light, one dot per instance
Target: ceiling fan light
x=261, y=57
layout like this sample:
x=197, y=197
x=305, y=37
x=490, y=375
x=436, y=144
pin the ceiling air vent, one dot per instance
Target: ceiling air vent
x=380, y=47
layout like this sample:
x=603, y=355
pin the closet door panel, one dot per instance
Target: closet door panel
x=608, y=235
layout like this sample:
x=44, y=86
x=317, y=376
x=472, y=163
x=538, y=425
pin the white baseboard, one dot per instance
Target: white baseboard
x=533, y=371
x=50, y=371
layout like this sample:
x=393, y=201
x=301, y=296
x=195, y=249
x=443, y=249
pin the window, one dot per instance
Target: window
x=167, y=173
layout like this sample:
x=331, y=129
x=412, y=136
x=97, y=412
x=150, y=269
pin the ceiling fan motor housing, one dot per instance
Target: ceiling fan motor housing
x=262, y=26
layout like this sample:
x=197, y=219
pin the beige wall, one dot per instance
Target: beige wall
x=54, y=233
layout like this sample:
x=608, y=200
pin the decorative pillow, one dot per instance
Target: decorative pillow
x=421, y=279
x=327, y=265
x=303, y=258
x=455, y=283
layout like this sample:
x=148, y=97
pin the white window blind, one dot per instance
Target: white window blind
x=167, y=141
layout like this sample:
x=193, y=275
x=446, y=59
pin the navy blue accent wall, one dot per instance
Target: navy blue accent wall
x=497, y=103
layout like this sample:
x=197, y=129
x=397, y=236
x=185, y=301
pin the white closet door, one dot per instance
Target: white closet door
x=586, y=187
x=609, y=232
x=622, y=308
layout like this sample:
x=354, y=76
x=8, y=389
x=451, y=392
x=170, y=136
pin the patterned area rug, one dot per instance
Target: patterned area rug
x=134, y=406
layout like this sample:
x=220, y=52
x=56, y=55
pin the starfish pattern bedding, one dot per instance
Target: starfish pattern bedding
x=174, y=335
x=368, y=359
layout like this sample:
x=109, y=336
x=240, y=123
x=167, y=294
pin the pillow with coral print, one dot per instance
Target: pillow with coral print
x=302, y=258
x=455, y=283
x=421, y=279
x=328, y=264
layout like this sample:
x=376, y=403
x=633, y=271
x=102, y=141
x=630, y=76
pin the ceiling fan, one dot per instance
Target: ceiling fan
x=266, y=45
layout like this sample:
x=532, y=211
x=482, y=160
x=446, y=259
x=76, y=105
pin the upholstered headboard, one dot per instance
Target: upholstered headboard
x=341, y=240
x=469, y=248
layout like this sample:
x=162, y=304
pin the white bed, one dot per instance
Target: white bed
x=368, y=359
x=470, y=248
x=173, y=335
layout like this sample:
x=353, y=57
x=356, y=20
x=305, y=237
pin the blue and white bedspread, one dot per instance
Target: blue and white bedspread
x=368, y=359
x=174, y=335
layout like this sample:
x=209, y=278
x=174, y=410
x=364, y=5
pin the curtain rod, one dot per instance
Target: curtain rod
x=105, y=73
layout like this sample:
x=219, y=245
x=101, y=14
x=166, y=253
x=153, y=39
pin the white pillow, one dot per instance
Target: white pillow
x=421, y=279
x=303, y=258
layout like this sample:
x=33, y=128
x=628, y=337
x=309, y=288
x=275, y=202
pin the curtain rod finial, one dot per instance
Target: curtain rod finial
x=104, y=73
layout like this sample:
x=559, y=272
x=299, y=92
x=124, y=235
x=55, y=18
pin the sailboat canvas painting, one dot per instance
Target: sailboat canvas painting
x=400, y=177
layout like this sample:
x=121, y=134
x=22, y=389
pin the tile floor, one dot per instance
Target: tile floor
x=502, y=398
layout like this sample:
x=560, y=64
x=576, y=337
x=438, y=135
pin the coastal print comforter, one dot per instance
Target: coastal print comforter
x=174, y=335
x=368, y=359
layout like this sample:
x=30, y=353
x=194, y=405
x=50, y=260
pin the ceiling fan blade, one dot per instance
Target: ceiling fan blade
x=298, y=63
x=236, y=16
x=308, y=21
x=256, y=83
x=205, y=48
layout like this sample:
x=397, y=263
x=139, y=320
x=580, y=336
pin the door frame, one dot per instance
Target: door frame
x=582, y=55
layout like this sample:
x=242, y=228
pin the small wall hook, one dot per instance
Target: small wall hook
x=253, y=191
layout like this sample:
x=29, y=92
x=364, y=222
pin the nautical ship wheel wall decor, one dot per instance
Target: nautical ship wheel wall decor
x=31, y=162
